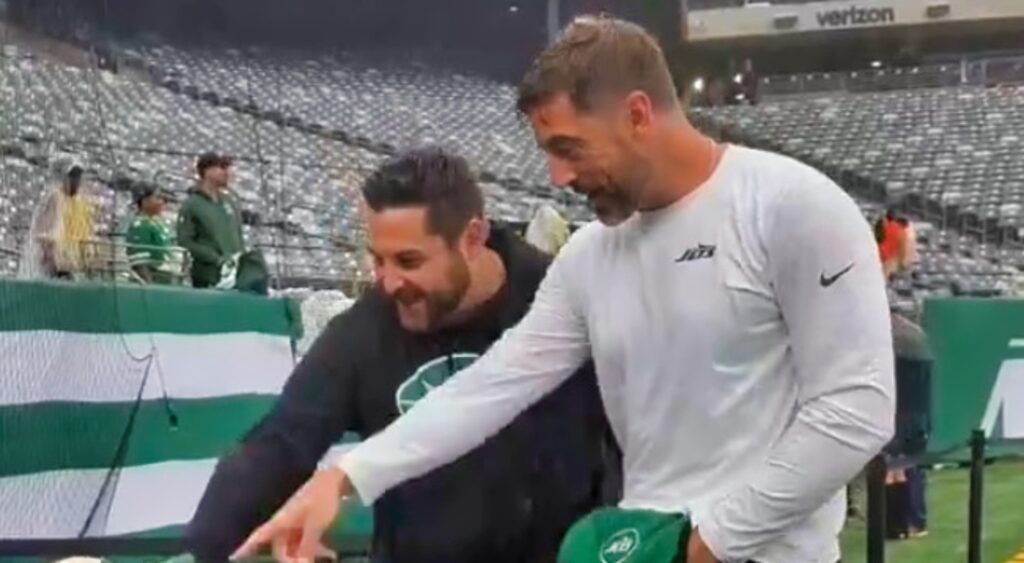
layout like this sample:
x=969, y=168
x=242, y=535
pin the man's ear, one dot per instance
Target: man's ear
x=639, y=112
x=475, y=237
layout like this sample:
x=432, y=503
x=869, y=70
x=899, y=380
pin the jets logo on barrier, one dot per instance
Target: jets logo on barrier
x=1004, y=415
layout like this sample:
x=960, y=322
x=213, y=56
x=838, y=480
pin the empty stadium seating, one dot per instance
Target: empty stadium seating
x=123, y=128
x=378, y=100
x=953, y=154
x=318, y=124
x=128, y=129
x=951, y=157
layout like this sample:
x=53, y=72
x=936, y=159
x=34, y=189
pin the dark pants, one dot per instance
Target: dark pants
x=917, y=509
x=897, y=510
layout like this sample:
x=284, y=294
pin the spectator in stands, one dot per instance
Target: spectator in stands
x=62, y=230
x=448, y=285
x=147, y=238
x=908, y=256
x=717, y=92
x=891, y=242
x=209, y=222
x=749, y=82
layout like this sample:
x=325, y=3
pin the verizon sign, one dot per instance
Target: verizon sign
x=767, y=19
x=855, y=15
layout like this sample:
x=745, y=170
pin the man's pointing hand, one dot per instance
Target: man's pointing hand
x=295, y=531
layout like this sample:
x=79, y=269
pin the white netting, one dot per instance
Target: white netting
x=318, y=308
x=66, y=403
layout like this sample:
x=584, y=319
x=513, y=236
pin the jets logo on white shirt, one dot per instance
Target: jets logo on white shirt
x=699, y=252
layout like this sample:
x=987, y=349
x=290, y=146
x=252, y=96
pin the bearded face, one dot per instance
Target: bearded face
x=424, y=275
x=613, y=187
x=424, y=303
x=594, y=154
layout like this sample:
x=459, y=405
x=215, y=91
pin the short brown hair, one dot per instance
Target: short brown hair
x=598, y=56
x=429, y=177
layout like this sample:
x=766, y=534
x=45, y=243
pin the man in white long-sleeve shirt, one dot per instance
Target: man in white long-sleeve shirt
x=732, y=301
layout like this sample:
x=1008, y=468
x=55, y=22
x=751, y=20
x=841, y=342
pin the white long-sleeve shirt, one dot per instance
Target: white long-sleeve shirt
x=743, y=348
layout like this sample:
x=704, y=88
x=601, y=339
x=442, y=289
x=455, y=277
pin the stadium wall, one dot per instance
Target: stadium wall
x=764, y=19
x=979, y=371
x=117, y=401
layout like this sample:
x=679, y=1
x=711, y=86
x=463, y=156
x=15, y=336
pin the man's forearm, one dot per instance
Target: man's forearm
x=832, y=438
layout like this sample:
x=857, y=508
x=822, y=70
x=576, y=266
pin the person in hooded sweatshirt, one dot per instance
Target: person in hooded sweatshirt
x=448, y=284
x=210, y=221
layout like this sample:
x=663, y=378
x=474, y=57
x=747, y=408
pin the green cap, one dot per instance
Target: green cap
x=613, y=535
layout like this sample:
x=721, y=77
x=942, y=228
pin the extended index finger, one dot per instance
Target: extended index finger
x=257, y=539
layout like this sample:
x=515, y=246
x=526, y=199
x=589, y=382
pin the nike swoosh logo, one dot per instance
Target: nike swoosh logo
x=829, y=280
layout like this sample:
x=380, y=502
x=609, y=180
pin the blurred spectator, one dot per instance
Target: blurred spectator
x=909, y=256
x=749, y=82
x=891, y=237
x=716, y=92
x=148, y=239
x=209, y=223
x=61, y=231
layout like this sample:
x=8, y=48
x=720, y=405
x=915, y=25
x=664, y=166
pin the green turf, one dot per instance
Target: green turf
x=1003, y=534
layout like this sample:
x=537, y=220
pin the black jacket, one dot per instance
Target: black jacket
x=510, y=500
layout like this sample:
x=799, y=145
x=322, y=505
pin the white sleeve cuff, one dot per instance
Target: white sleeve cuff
x=368, y=489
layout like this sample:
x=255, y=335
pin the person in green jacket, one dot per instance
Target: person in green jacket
x=209, y=222
x=148, y=239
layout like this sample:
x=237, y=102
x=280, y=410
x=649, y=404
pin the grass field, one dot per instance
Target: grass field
x=1003, y=535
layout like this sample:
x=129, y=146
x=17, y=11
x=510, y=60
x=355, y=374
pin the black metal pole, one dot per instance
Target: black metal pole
x=976, y=500
x=876, y=509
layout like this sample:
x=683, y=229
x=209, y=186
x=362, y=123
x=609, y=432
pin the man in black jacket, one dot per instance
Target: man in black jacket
x=448, y=285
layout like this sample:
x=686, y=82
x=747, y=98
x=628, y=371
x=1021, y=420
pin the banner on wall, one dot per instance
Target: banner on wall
x=979, y=370
x=116, y=402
